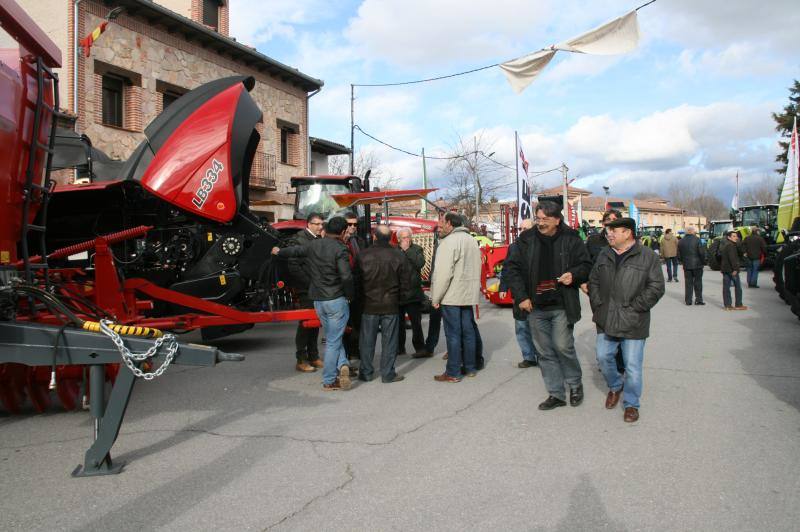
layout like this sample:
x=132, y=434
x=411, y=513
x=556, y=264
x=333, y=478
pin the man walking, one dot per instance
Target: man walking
x=669, y=250
x=412, y=302
x=550, y=264
x=729, y=266
x=625, y=283
x=455, y=290
x=522, y=328
x=693, y=257
x=305, y=339
x=382, y=271
x=755, y=247
x=354, y=245
x=330, y=287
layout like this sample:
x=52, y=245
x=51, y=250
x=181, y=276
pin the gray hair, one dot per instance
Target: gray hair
x=690, y=230
x=403, y=230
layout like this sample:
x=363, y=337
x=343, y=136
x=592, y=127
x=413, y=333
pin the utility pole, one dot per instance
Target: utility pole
x=606, y=189
x=352, y=129
x=424, y=184
x=564, y=171
x=477, y=182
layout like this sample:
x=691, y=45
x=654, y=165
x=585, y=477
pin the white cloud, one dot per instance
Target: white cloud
x=741, y=59
x=259, y=21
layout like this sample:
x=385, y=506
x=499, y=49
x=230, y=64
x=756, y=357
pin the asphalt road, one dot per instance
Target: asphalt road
x=258, y=446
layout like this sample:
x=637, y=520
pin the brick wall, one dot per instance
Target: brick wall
x=132, y=103
x=223, y=19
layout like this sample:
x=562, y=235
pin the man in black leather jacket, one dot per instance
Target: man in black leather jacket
x=330, y=287
x=305, y=339
x=625, y=283
x=693, y=258
x=382, y=271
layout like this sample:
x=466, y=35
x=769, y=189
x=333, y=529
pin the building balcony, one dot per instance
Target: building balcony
x=264, y=172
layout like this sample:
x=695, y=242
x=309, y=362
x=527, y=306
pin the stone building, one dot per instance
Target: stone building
x=150, y=55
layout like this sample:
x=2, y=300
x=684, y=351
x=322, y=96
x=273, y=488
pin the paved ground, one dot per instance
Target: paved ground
x=255, y=445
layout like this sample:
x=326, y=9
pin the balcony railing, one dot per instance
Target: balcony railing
x=264, y=171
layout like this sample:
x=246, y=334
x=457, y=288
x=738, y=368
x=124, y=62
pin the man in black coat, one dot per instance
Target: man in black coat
x=305, y=339
x=625, y=283
x=382, y=271
x=729, y=266
x=544, y=274
x=412, y=303
x=693, y=256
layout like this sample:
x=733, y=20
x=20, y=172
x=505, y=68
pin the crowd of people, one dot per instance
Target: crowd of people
x=363, y=291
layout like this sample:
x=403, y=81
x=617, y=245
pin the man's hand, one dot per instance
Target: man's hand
x=502, y=295
x=735, y=273
x=526, y=305
x=275, y=250
x=585, y=288
x=566, y=279
x=436, y=306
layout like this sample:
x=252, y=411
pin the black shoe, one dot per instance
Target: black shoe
x=576, y=395
x=396, y=378
x=699, y=303
x=364, y=378
x=527, y=364
x=551, y=403
x=422, y=354
x=689, y=303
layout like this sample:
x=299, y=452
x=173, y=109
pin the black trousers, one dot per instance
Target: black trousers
x=693, y=280
x=351, y=339
x=305, y=340
x=414, y=311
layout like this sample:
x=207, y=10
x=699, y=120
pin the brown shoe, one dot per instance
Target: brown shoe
x=333, y=387
x=728, y=308
x=612, y=399
x=305, y=367
x=631, y=414
x=344, y=378
x=317, y=363
x=444, y=377
x=740, y=307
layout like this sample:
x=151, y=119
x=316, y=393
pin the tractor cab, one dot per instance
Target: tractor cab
x=650, y=235
x=314, y=193
x=718, y=228
x=765, y=218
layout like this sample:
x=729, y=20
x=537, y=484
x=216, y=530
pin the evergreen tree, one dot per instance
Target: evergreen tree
x=784, y=122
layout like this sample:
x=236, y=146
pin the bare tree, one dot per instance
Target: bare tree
x=365, y=160
x=645, y=195
x=693, y=196
x=762, y=193
x=473, y=177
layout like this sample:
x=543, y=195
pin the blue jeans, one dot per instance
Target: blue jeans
x=390, y=324
x=672, y=268
x=633, y=355
x=434, y=326
x=459, y=331
x=728, y=280
x=333, y=315
x=555, y=344
x=752, y=271
x=523, y=331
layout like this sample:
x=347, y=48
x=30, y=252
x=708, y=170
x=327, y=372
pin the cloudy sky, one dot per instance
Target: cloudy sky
x=692, y=103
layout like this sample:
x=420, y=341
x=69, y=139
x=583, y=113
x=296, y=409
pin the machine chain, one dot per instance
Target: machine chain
x=130, y=357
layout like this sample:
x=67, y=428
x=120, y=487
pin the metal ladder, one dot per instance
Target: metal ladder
x=33, y=191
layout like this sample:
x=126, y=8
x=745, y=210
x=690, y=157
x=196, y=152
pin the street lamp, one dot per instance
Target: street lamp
x=606, y=189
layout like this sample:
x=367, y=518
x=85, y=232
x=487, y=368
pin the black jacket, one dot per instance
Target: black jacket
x=754, y=246
x=622, y=295
x=415, y=259
x=691, y=253
x=595, y=244
x=298, y=274
x=328, y=267
x=383, y=273
x=729, y=252
x=521, y=273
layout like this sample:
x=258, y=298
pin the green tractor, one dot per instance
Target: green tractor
x=786, y=270
x=716, y=232
x=765, y=218
x=650, y=236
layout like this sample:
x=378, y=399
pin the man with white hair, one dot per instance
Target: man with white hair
x=412, y=303
x=693, y=257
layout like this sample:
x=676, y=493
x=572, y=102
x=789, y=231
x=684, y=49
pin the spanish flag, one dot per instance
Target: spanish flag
x=89, y=40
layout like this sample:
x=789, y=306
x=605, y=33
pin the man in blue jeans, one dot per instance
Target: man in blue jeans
x=331, y=289
x=729, y=266
x=383, y=272
x=624, y=284
x=522, y=329
x=544, y=274
x=755, y=247
x=455, y=290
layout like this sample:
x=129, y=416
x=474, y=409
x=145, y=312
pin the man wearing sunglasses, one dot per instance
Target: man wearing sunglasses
x=355, y=244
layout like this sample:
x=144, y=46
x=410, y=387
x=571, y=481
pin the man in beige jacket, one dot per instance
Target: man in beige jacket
x=669, y=250
x=455, y=290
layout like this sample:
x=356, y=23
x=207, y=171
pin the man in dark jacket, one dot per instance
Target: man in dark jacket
x=729, y=266
x=382, y=270
x=354, y=245
x=625, y=283
x=305, y=339
x=330, y=287
x=412, y=302
x=522, y=329
x=693, y=256
x=755, y=247
x=544, y=274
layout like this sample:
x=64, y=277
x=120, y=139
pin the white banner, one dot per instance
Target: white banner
x=524, y=197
